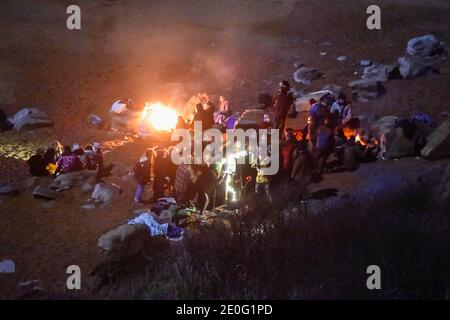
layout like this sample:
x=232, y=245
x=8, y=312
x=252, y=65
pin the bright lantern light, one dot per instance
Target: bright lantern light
x=160, y=117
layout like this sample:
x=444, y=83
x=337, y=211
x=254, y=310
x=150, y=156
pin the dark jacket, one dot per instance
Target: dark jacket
x=38, y=165
x=142, y=172
x=283, y=100
x=352, y=155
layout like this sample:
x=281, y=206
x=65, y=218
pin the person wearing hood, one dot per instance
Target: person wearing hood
x=68, y=162
x=143, y=173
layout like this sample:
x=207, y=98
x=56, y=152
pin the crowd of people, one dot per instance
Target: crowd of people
x=304, y=153
x=58, y=159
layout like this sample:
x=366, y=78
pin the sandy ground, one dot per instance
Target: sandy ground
x=169, y=50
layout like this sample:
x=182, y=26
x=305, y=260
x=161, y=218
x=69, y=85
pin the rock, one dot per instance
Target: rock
x=88, y=207
x=30, y=119
x=413, y=66
x=125, y=122
x=87, y=187
x=302, y=103
x=341, y=58
x=106, y=192
x=365, y=63
x=366, y=89
x=42, y=192
x=438, y=143
x=250, y=117
x=124, y=241
x=381, y=72
x=398, y=145
x=427, y=45
x=7, y=266
x=96, y=121
x=305, y=75
x=31, y=290
x=73, y=179
x=9, y=191
x=334, y=89
x=383, y=125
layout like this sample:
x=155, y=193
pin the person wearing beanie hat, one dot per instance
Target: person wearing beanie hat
x=341, y=110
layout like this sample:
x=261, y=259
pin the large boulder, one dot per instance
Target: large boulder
x=383, y=125
x=438, y=143
x=302, y=103
x=427, y=45
x=367, y=89
x=413, y=66
x=30, y=119
x=398, y=145
x=251, y=118
x=305, y=75
x=43, y=192
x=9, y=191
x=106, y=192
x=334, y=89
x=73, y=179
x=129, y=121
x=381, y=72
x=124, y=241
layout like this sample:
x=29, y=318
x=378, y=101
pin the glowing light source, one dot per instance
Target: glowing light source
x=160, y=117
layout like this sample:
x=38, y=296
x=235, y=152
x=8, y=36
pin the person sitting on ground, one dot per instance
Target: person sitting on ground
x=224, y=111
x=77, y=150
x=91, y=158
x=202, y=116
x=224, y=106
x=352, y=155
x=324, y=144
x=103, y=170
x=142, y=174
x=38, y=164
x=53, y=152
x=68, y=162
x=209, y=108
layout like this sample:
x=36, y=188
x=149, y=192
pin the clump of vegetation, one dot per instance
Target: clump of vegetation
x=263, y=253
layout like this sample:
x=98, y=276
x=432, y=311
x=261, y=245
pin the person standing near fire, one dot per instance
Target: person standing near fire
x=280, y=106
x=143, y=173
